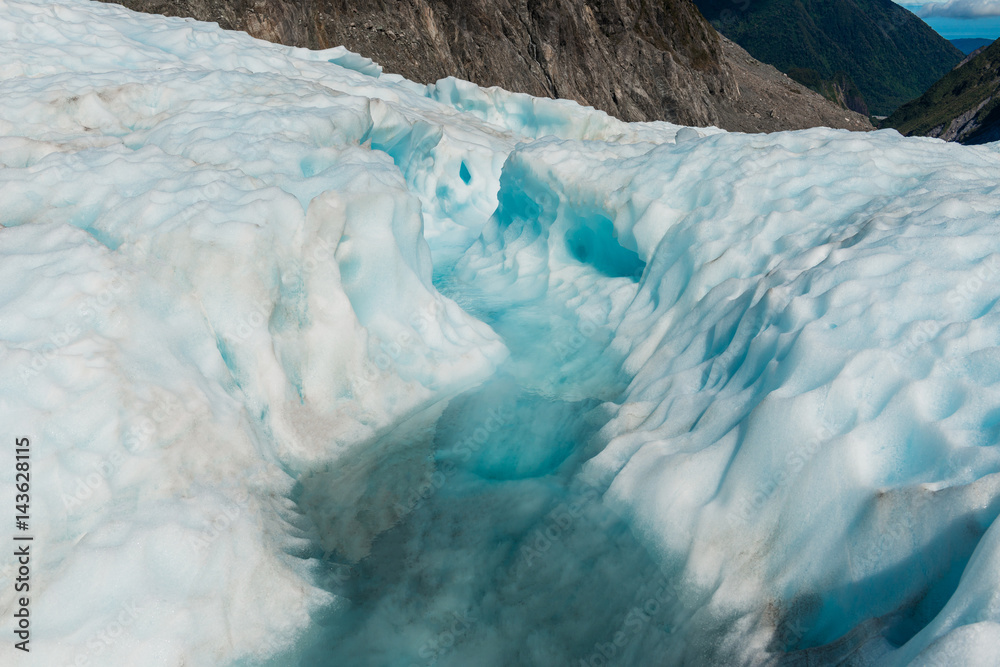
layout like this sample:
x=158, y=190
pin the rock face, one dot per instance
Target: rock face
x=890, y=54
x=964, y=106
x=636, y=59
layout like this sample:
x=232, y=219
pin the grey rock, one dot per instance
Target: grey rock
x=638, y=60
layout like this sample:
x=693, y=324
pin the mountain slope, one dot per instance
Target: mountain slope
x=886, y=50
x=964, y=106
x=634, y=59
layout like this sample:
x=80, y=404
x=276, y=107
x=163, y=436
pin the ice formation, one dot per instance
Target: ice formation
x=326, y=367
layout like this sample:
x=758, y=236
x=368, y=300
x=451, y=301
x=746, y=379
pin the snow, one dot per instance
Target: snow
x=323, y=366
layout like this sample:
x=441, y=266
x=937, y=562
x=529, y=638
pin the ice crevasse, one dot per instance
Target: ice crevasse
x=321, y=366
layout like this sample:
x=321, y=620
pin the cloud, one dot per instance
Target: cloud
x=961, y=9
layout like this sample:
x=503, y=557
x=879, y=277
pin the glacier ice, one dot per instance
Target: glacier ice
x=326, y=367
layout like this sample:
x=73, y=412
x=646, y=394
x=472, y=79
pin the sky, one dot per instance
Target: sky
x=960, y=18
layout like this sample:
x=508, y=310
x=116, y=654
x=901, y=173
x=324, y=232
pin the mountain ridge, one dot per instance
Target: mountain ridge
x=964, y=106
x=890, y=54
x=635, y=59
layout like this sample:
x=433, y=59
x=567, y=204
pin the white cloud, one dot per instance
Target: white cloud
x=961, y=9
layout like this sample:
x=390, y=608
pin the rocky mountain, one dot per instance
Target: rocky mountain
x=840, y=89
x=636, y=59
x=885, y=50
x=964, y=106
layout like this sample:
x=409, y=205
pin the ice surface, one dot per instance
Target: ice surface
x=326, y=367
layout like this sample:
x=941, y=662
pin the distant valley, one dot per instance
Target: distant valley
x=964, y=106
x=868, y=55
x=970, y=44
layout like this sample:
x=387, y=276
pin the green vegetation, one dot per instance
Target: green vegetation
x=885, y=50
x=841, y=89
x=973, y=89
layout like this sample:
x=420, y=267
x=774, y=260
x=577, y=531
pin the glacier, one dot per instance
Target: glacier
x=322, y=366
